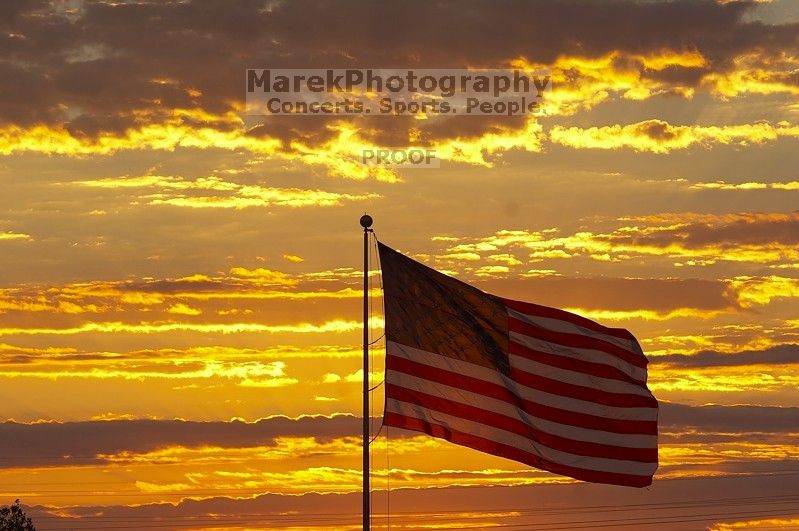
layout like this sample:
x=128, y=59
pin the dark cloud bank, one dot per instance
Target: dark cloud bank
x=92, y=66
x=55, y=444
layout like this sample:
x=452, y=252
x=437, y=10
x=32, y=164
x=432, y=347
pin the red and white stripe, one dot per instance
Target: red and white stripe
x=575, y=401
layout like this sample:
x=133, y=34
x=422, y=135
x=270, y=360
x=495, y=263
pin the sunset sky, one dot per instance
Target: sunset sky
x=180, y=289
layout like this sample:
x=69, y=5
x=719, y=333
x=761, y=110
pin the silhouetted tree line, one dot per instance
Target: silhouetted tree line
x=12, y=518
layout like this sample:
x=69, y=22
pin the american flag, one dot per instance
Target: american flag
x=518, y=380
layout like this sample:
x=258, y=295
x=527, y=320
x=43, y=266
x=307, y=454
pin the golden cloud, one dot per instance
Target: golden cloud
x=751, y=185
x=264, y=276
x=234, y=195
x=244, y=373
x=335, y=325
x=240, y=283
x=759, y=291
x=658, y=136
x=756, y=73
x=683, y=238
x=761, y=523
x=18, y=300
x=646, y=315
x=183, y=309
x=722, y=338
x=340, y=153
x=582, y=82
x=9, y=236
x=732, y=379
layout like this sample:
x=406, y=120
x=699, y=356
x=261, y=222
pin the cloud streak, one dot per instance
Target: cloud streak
x=336, y=325
x=60, y=443
x=684, y=238
x=170, y=190
x=658, y=136
x=777, y=355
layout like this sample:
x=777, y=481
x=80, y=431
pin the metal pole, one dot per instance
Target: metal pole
x=366, y=222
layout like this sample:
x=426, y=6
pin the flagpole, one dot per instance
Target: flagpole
x=366, y=222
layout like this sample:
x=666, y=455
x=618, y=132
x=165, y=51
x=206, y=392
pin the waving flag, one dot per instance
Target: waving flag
x=530, y=383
